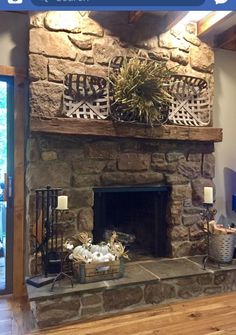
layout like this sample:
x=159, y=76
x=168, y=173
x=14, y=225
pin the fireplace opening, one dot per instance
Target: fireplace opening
x=137, y=214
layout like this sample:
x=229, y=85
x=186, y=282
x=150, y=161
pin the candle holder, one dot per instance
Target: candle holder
x=62, y=274
x=208, y=215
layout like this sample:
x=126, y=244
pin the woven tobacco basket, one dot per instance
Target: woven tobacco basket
x=85, y=96
x=191, y=104
x=221, y=247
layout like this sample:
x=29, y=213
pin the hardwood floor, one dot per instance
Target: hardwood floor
x=14, y=316
x=215, y=315
x=2, y=273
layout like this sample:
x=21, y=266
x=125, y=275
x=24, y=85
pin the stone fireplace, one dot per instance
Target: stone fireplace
x=146, y=182
x=87, y=168
x=83, y=165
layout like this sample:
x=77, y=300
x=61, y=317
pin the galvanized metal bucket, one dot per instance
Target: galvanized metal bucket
x=221, y=247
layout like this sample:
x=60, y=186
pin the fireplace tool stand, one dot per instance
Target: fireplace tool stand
x=47, y=245
x=208, y=215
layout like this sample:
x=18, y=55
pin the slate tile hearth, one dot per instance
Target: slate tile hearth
x=173, y=268
x=213, y=265
x=144, y=283
x=135, y=273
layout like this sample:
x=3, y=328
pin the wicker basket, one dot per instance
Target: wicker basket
x=85, y=96
x=191, y=103
x=221, y=247
x=93, y=272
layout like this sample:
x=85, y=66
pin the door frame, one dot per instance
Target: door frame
x=18, y=76
x=9, y=81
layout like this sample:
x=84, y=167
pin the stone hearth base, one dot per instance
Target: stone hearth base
x=145, y=283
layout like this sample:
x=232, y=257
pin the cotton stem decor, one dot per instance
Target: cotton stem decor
x=96, y=253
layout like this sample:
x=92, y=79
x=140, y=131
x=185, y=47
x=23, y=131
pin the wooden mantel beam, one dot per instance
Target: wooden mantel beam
x=82, y=127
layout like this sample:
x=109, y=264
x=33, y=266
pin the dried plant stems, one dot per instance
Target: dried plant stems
x=141, y=87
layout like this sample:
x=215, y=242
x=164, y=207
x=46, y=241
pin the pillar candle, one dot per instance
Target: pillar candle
x=62, y=202
x=208, y=195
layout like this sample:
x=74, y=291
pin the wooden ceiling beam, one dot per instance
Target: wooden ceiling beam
x=171, y=19
x=229, y=46
x=135, y=16
x=208, y=23
x=227, y=39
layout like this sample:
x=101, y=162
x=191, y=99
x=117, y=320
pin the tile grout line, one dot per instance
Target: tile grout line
x=206, y=270
x=149, y=271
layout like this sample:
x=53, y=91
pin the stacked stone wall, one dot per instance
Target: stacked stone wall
x=82, y=305
x=84, y=44
x=78, y=165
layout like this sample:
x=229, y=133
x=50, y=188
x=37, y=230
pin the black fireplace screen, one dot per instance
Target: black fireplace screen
x=138, y=214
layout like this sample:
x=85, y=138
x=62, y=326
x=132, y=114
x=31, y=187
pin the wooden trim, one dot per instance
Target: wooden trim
x=11, y=71
x=19, y=196
x=19, y=185
x=69, y=126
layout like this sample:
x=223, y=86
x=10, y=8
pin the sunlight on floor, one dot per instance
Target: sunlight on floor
x=2, y=273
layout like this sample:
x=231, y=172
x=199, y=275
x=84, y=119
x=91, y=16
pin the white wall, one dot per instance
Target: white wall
x=13, y=39
x=225, y=117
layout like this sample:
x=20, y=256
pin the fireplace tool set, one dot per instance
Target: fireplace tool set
x=48, y=235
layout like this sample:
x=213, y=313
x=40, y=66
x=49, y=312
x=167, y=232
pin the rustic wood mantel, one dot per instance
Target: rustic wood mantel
x=83, y=127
